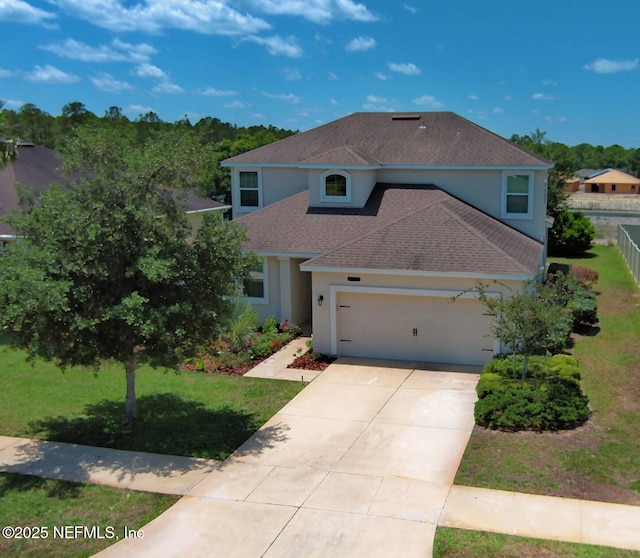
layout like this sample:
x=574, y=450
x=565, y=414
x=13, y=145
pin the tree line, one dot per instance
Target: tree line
x=569, y=159
x=217, y=140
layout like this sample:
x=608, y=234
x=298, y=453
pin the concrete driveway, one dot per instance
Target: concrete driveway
x=359, y=464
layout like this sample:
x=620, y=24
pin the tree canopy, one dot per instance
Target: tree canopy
x=109, y=268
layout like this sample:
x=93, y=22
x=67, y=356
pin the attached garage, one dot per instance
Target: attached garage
x=405, y=324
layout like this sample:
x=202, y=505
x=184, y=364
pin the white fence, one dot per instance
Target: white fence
x=629, y=245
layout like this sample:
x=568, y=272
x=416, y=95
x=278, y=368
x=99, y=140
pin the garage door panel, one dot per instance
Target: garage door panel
x=413, y=328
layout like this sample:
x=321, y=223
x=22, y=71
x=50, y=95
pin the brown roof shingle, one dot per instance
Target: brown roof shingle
x=427, y=139
x=402, y=227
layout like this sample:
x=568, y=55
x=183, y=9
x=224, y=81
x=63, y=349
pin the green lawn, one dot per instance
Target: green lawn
x=44, y=503
x=459, y=543
x=601, y=460
x=189, y=413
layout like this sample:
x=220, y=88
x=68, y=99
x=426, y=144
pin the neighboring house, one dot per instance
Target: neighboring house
x=372, y=224
x=37, y=167
x=612, y=182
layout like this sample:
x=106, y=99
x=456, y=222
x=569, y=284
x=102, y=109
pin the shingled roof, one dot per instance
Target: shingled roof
x=402, y=227
x=426, y=139
x=37, y=167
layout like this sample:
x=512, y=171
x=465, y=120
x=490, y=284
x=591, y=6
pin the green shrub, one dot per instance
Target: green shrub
x=553, y=403
x=571, y=234
x=270, y=326
x=584, y=307
x=490, y=382
x=565, y=366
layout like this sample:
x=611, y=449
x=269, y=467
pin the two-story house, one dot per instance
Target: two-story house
x=379, y=226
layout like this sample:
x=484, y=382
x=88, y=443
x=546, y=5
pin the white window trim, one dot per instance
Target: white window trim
x=237, y=189
x=504, y=213
x=340, y=199
x=265, y=284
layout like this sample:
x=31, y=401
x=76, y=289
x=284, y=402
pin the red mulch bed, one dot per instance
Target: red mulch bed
x=312, y=362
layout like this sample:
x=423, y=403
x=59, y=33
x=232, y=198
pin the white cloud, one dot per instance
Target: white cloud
x=380, y=76
x=428, y=101
x=150, y=71
x=106, y=82
x=139, y=110
x=550, y=83
x=541, y=97
x=318, y=11
x=411, y=9
x=22, y=12
x=376, y=100
x=292, y=74
x=277, y=46
x=556, y=119
x=5, y=73
x=606, y=66
x=167, y=87
x=407, y=69
x=209, y=17
x=50, y=74
x=474, y=98
x=497, y=110
x=211, y=92
x=361, y=44
x=117, y=51
x=286, y=97
x=332, y=77
x=236, y=105
x=334, y=103
x=507, y=97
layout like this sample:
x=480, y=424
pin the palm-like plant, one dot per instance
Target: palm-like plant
x=242, y=325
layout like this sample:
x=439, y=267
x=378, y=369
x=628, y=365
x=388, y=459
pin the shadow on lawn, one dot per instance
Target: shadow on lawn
x=58, y=489
x=167, y=425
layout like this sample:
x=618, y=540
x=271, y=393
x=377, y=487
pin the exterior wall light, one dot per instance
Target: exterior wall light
x=320, y=300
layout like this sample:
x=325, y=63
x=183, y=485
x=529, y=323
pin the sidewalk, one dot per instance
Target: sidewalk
x=275, y=367
x=543, y=517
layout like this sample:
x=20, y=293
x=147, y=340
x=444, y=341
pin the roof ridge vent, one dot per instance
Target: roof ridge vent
x=406, y=116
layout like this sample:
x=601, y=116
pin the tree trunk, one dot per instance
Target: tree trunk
x=130, y=402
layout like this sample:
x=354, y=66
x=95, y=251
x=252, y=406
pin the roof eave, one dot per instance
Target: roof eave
x=383, y=166
x=421, y=273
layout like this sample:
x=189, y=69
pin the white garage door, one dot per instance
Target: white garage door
x=430, y=329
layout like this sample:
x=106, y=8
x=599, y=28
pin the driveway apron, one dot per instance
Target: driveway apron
x=360, y=463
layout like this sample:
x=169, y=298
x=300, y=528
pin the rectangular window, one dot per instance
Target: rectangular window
x=254, y=285
x=249, y=188
x=517, y=194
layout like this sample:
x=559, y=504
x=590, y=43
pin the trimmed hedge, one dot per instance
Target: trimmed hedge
x=549, y=399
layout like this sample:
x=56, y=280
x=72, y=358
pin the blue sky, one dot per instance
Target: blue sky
x=568, y=67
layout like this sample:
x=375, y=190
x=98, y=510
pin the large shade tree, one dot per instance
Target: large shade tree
x=108, y=268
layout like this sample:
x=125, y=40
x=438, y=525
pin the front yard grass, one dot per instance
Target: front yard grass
x=186, y=413
x=600, y=460
x=457, y=543
x=45, y=503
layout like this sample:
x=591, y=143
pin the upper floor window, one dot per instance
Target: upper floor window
x=249, y=189
x=517, y=195
x=336, y=186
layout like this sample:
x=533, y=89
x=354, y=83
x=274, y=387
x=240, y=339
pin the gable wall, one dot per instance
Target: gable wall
x=481, y=189
x=362, y=183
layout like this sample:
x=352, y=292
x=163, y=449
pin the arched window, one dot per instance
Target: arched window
x=336, y=186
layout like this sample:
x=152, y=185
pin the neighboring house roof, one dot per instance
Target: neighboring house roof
x=427, y=139
x=416, y=228
x=586, y=173
x=34, y=166
x=37, y=167
x=613, y=177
